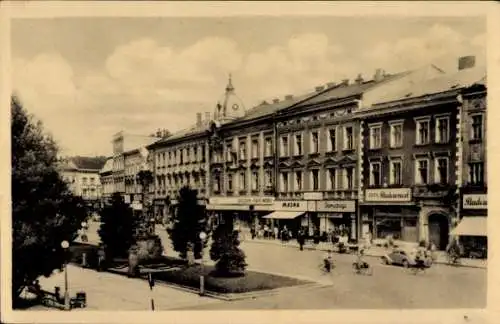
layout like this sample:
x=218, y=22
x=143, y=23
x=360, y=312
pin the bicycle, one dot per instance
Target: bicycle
x=362, y=268
x=453, y=259
x=419, y=266
x=326, y=268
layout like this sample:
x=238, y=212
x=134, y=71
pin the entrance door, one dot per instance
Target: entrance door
x=438, y=230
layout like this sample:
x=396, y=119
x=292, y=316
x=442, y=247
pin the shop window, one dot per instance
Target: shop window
x=284, y=146
x=396, y=134
x=441, y=170
x=348, y=138
x=422, y=171
x=476, y=173
x=375, y=174
x=422, y=127
x=477, y=127
x=331, y=180
x=314, y=142
x=298, y=181
x=442, y=129
x=332, y=140
x=375, y=136
x=396, y=169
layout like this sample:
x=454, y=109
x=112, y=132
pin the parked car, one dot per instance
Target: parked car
x=401, y=257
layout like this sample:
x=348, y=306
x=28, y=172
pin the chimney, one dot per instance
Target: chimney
x=319, y=88
x=198, y=119
x=379, y=75
x=466, y=62
x=331, y=84
x=207, y=116
x=288, y=97
x=276, y=100
x=345, y=82
x=359, y=79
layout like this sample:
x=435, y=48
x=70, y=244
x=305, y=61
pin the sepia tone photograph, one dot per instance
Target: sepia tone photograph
x=247, y=162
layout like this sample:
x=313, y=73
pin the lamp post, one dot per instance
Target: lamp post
x=65, y=246
x=203, y=236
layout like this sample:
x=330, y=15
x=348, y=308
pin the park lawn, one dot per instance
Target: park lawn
x=251, y=281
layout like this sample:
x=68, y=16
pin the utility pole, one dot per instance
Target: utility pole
x=151, y=282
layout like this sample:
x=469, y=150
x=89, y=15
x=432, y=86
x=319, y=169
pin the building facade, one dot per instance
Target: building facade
x=107, y=182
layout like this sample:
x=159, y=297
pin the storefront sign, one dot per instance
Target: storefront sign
x=313, y=196
x=388, y=195
x=292, y=205
x=475, y=202
x=241, y=200
x=338, y=206
x=330, y=215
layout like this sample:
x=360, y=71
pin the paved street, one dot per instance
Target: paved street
x=442, y=286
x=106, y=291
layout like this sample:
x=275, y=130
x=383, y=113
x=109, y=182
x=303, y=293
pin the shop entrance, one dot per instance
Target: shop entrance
x=438, y=230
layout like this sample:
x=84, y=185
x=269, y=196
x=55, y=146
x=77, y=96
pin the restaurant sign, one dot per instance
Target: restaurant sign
x=478, y=201
x=388, y=195
x=337, y=206
x=241, y=200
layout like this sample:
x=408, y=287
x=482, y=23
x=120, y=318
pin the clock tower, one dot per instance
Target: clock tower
x=230, y=106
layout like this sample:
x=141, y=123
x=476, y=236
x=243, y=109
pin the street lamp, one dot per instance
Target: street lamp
x=65, y=246
x=203, y=236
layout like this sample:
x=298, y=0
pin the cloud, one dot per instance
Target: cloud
x=145, y=85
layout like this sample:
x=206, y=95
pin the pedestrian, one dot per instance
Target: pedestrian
x=266, y=231
x=275, y=229
x=252, y=232
x=301, y=239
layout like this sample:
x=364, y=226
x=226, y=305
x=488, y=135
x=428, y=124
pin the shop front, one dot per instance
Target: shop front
x=292, y=214
x=242, y=211
x=337, y=216
x=472, y=228
x=390, y=212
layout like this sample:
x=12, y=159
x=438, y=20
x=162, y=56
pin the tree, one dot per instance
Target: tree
x=189, y=221
x=44, y=211
x=226, y=252
x=118, y=226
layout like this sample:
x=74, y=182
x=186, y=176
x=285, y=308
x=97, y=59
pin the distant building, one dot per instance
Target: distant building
x=107, y=182
x=82, y=176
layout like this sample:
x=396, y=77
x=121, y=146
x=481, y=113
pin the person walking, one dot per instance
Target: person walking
x=276, y=231
x=301, y=239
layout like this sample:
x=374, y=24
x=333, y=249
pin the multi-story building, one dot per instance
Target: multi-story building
x=122, y=143
x=82, y=176
x=409, y=159
x=107, y=182
x=472, y=175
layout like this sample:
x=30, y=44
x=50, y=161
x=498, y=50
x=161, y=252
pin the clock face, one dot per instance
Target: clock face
x=235, y=107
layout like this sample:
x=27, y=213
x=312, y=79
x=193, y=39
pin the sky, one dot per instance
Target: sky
x=88, y=78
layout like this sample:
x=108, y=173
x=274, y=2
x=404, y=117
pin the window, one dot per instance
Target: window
x=314, y=142
x=283, y=181
x=230, y=182
x=284, y=146
x=84, y=180
x=229, y=152
x=442, y=129
x=349, y=178
x=315, y=179
x=331, y=180
x=193, y=154
x=203, y=153
x=332, y=140
x=298, y=144
x=269, y=147
x=441, y=170
x=175, y=158
x=92, y=181
x=255, y=181
x=243, y=150
x=268, y=179
x=217, y=183
x=298, y=180
x=375, y=174
x=181, y=157
x=376, y=137
x=396, y=169
x=421, y=171
x=477, y=127
x=422, y=137
x=396, y=134
x=348, y=138
x=255, y=149
x=242, y=181
x=476, y=173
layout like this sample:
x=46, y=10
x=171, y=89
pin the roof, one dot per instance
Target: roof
x=89, y=163
x=440, y=84
x=108, y=166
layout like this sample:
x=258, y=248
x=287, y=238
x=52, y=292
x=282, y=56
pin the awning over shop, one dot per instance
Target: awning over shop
x=471, y=226
x=284, y=215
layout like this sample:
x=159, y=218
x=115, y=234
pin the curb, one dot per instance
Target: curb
x=366, y=254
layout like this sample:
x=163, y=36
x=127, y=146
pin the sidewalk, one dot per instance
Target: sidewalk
x=373, y=251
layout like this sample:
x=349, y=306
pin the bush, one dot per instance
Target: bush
x=226, y=252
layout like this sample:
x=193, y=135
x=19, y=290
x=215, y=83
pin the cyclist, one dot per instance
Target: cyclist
x=327, y=261
x=360, y=260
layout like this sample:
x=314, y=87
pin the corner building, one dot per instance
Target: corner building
x=411, y=159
